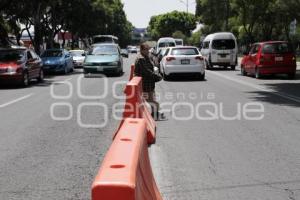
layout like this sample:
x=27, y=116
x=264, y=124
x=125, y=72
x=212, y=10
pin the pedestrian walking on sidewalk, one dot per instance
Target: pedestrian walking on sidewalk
x=145, y=69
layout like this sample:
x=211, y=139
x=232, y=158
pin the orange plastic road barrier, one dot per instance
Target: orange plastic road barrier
x=126, y=173
x=132, y=67
x=135, y=107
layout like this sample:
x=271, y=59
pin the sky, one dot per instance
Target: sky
x=139, y=12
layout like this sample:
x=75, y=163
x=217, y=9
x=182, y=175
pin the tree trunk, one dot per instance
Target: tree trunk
x=3, y=36
x=38, y=30
x=72, y=47
x=64, y=39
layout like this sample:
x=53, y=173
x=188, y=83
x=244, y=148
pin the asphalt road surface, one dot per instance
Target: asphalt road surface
x=54, y=136
x=230, y=155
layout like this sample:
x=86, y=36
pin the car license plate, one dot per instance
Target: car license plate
x=185, y=62
x=100, y=69
x=278, y=58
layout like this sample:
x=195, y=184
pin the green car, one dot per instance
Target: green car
x=104, y=59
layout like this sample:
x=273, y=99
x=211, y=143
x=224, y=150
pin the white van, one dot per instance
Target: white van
x=220, y=49
x=164, y=43
x=179, y=42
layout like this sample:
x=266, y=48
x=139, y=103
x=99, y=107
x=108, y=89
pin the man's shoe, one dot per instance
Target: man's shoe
x=159, y=116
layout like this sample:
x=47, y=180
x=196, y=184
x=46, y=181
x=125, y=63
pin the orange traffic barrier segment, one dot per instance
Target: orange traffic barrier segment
x=135, y=107
x=132, y=67
x=126, y=173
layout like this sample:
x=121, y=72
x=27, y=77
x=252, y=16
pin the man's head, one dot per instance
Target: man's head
x=144, y=48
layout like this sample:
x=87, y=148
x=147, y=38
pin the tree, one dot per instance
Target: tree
x=166, y=24
x=215, y=14
x=84, y=18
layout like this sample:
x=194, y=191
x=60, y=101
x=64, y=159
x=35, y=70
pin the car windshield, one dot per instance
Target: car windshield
x=52, y=53
x=277, y=48
x=105, y=50
x=103, y=40
x=77, y=53
x=179, y=42
x=223, y=44
x=166, y=44
x=184, y=51
x=12, y=55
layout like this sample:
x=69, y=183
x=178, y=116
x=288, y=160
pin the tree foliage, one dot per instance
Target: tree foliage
x=250, y=20
x=83, y=18
x=166, y=24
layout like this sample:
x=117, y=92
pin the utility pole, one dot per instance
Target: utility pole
x=187, y=4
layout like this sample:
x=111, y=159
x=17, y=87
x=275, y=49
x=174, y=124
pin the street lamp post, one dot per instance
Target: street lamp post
x=186, y=3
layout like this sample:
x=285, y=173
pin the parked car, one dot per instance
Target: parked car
x=178, y=60
x=20, y=65
x=132, y=49
x=124, y=53
x=57, y=61
x=104, y=58
x=274, y=57
x=220, y=49
x=78, y=57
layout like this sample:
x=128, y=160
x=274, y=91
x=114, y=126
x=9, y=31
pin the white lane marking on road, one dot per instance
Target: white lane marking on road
x=261, y=88
x=67, y=80
x=16, y=100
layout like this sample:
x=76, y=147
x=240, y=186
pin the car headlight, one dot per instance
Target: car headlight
x=11, y=69
x=113, y=63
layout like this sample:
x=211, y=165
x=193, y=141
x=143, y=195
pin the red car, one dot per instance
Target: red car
x=274, y=57
x=20, y=65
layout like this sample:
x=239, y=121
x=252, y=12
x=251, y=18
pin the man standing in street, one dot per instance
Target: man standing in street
x=145, y=69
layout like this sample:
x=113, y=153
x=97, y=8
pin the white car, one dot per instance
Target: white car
x=78, y=57
x=220, y=49
x=132, y=49
x=178, y=60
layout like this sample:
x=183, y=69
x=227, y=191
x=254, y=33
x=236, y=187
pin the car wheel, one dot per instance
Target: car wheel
x=257, y=74
x=25, y=79
x=232, y=67
x=66, y=70
x=243, y=72
x=292, y=75
x=120, y=73
x=207, y=64
x=201, y=77
x=165, y=77
x=41, y=76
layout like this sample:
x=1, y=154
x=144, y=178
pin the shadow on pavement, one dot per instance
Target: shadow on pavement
x=221, y=69
x=184, y=78
x=12, y=86
x=276, y=76
x=289, y=90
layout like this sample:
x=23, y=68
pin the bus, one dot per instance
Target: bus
x=105, y=39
